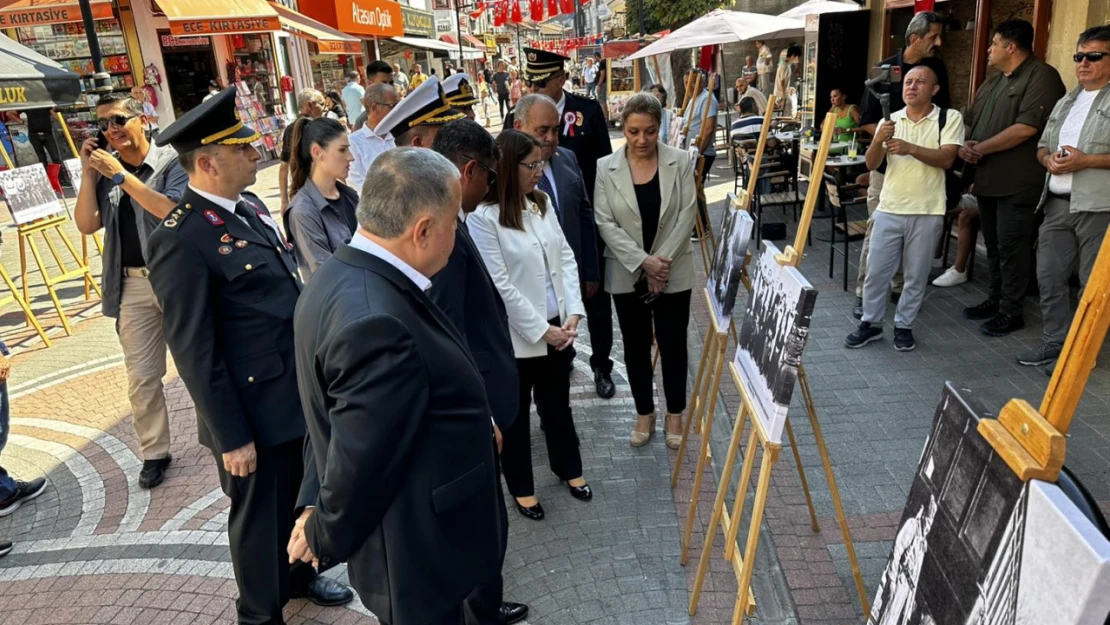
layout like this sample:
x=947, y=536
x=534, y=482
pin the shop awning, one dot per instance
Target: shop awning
x=200, y=18
x=29, y=80
x=37, y=12
x=474, y=41
x=328, y=39
x=438, y=46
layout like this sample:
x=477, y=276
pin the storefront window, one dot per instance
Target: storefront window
x=190, y=65
x=329, y=70
x=259, y=100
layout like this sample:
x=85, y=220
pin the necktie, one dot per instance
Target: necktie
x=545, y=186
x=246, y=211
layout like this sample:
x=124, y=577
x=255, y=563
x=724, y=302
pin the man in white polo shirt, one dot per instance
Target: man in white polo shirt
x=918, y=144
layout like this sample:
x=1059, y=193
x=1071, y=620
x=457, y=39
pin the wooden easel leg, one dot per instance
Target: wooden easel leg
x=741, y=494
x=802, y=477
x=718, y=507
x=694, y=412
x=23, y=270
x=89, y=280
x=705, y=256
x=32, y=320
x=50, y=287
x=770, y=454
x=715, y=385
x=99, y=244
x=834, y=490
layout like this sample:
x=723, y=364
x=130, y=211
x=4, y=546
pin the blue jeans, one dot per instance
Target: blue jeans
x=7, y=483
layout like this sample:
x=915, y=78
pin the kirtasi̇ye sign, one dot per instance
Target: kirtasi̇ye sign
x=417, y=22
x=48, y=15
x=224, y=26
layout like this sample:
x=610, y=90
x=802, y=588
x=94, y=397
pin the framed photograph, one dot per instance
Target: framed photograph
x=728, y=261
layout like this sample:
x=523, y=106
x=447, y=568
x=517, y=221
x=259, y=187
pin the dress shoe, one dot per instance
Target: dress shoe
x=1002, y=324
x=154, y=472
x=513, y=612
x=672, y=427
x=325, y=591
x=604, y=383
x=641, y=435
x=534, y=512
x=982, y=310
x=581, y=493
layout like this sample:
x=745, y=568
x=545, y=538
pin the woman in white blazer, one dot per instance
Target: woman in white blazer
x=644, y=204
x=532, y=265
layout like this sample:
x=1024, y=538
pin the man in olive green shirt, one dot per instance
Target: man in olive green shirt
x=1004, y=123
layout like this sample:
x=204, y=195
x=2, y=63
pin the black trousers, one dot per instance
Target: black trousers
x=503, y=104
x=43, y=144
x=1009, y=228
x=670, y=315
x=483, y=604
x=547, y=378
x=260, y=521
x=703, y=209
x=599, y=318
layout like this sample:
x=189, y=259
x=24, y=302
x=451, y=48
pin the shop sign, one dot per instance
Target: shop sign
x=503, y=38
x=491, y=42
x=339, y=47
x=224, y=26
x=382, y=18
x=169, y=41
x=10, y=18
x=417, y=22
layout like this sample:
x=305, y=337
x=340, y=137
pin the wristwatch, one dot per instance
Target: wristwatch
x=117, y=178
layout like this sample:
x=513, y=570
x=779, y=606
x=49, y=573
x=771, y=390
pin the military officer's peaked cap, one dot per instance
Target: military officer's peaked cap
x=213, y=122
x=459, y=91
x=541, y=64
x=423, y=106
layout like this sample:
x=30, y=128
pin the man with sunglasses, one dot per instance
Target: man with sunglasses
x=310, y=103
x=1076, y=195
x=581, y=129
x=127, y=190
x=366, y=145
x=1005, y=121
x=465, y=292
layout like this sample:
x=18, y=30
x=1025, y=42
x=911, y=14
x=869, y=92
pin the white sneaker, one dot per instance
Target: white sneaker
x=951, y=277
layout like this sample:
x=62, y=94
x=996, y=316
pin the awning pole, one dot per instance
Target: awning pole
x=101, y=78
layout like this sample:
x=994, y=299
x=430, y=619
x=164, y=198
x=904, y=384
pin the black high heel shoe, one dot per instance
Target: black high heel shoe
x=534, y=512
x=581, y=493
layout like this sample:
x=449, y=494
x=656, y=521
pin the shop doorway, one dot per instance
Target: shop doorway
x=190, y=64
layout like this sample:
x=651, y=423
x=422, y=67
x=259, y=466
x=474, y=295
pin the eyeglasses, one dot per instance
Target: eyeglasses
x=119, y=121
x=387, y=105
x=1092, y=57
x=534, y=166
x=491, y=176
x=538, y=84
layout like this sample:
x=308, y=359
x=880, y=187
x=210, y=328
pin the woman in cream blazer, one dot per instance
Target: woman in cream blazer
x=532, y=265
x=644, y=204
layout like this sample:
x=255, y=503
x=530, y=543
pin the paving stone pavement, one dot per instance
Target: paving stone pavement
x=96, y=549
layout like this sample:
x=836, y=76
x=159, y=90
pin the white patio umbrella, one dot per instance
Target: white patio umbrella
x=723, y=26
x=819, y=6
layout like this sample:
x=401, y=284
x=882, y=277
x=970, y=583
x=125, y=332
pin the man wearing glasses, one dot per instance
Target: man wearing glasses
x=1076, y=196
x=310, y=103
x=582, y=129
x=366, y=145
x=128, y=190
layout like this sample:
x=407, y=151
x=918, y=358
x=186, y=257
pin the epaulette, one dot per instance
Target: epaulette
x=177, y=215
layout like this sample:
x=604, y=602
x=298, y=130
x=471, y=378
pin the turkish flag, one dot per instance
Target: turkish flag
x=552, y=7
x=923, y=5
x=514, y=15
x=535, y=9
x=500, y=13
x=567, y=6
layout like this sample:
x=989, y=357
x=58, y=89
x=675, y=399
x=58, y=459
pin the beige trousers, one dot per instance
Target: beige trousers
x=144, y=354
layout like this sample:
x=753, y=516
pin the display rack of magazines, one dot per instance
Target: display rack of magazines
x=253, y=113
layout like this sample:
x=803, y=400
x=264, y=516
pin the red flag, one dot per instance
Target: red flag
x=923, y=5
x=552, y=7
x=535, y=9
x=514, y=14
x=479, y=9
x=500, y=13
x=567, y=6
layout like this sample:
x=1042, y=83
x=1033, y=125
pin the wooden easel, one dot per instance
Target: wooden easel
x=32, y=320
x=770, y=450
x=1032, y=442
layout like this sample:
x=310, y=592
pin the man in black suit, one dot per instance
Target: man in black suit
x=465, y=291
x=228, y=283
x=397, y=415
x=582, y=129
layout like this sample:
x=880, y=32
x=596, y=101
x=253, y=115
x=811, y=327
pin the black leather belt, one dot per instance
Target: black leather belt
x=1060, y=196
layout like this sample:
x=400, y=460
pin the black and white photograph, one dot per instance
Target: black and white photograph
x=975, y=546
x=772, y=337
x=728, y=262
x=29, y=194
x=73, y=168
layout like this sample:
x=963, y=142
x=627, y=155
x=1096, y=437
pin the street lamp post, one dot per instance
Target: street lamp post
x=101, y=79
x=458, y=27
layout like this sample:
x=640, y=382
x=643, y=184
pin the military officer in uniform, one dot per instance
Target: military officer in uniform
x=459, y=93
x=584, y=131
x=228, y=285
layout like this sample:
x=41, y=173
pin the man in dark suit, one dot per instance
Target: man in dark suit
x=228, y=284
x=396, y=412
x=582, y=129
x=465, y=291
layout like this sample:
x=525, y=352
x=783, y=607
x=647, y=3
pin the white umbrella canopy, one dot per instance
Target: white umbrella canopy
x=723, y=26
x=819, y=6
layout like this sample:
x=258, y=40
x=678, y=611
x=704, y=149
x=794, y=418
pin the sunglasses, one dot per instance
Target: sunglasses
x=1092, y=57
x=119, y=121
x=534, y=166
x=538, y=84
x=491, y=176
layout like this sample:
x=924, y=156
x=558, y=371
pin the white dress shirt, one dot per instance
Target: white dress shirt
x=360, y=242
x=562, y=103
x=222, y=202
x=366, y=147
